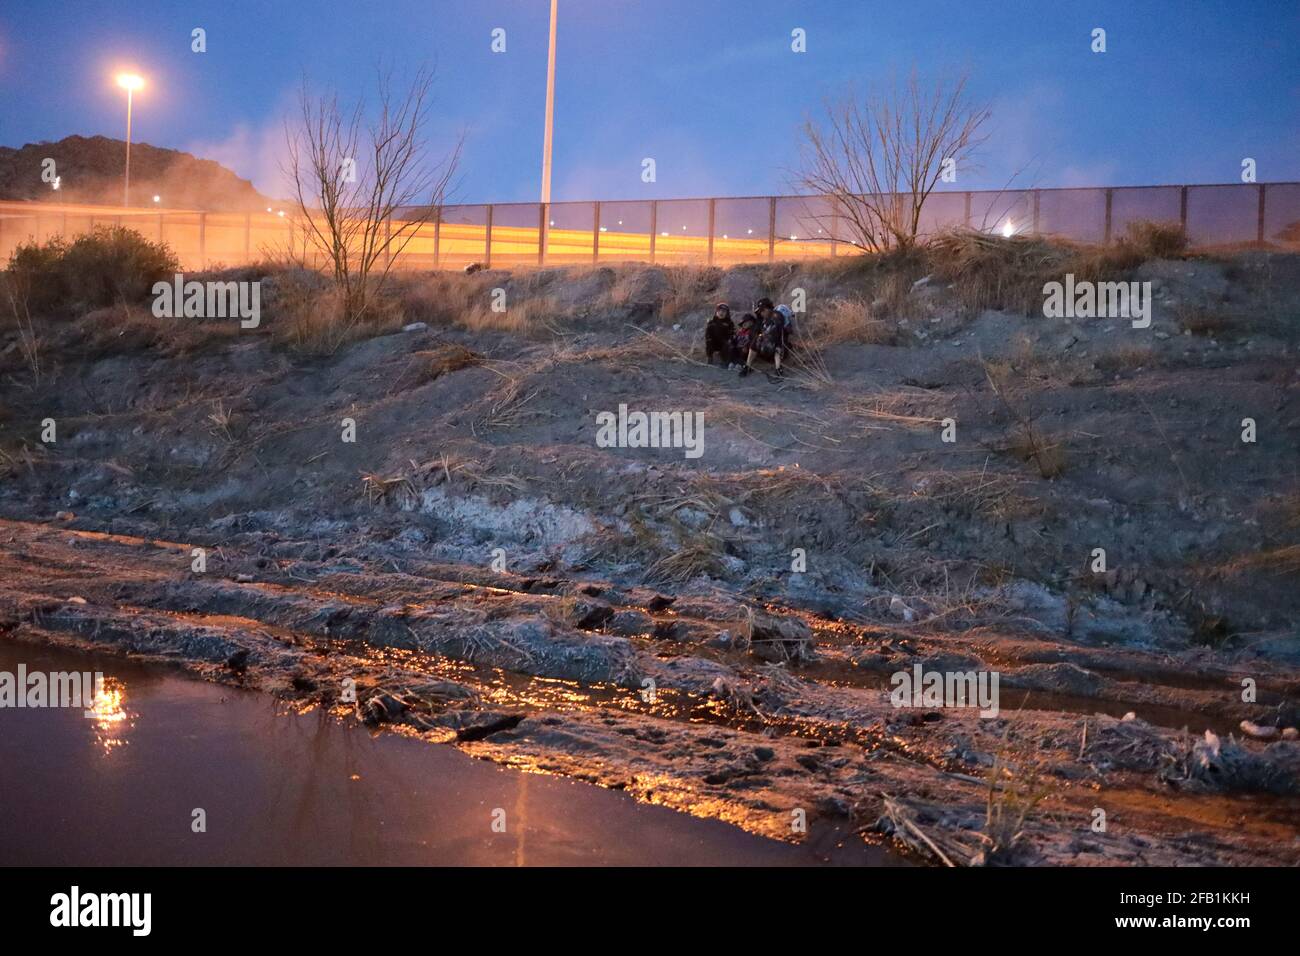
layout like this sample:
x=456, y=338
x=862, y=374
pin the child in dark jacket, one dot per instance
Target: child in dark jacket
x=718, y=335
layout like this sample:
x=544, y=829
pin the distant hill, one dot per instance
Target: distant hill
x=91, y=168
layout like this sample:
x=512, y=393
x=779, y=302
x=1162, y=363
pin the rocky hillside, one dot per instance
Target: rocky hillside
x=91, y=168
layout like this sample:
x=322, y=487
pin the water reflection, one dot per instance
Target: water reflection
x=111, y=720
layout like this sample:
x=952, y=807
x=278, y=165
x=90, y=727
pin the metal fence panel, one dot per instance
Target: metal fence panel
x=1222, y=215
x=1078, y=214
x=740, y=231
x=1282, y=214
x=681, y=231
x=570, y=236
x=516, y=234
x=625, y=231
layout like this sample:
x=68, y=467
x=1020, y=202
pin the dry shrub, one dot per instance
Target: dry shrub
x=851, y=320
x=989, y=272
x=309, y=317
x=15, y=306
x=121, y=329
x=441, y=298
x=452, y=298
x=688, y=288
x=1013, y=794
x=992, y=272
x=1152, y=239
x=108, y=265
x=1026, y=440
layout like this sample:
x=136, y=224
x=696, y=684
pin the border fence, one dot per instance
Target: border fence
x=717, y=231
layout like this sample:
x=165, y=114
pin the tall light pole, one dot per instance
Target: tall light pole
x=129, y=82
x=550, y=111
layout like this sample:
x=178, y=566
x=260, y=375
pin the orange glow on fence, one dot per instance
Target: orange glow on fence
x=204, y=240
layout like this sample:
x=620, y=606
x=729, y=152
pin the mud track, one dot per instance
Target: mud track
x=680, y=701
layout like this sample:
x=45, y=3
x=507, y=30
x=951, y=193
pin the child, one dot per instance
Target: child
x=718, y=335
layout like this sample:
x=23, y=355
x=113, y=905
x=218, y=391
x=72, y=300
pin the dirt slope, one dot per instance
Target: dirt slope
x=647, y=631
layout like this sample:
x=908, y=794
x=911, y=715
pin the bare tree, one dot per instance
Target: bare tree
x=878, y=158
x=351, y=177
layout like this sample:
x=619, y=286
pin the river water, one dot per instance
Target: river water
x=120, y=787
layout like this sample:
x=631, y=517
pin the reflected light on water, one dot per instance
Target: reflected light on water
x=111, y=720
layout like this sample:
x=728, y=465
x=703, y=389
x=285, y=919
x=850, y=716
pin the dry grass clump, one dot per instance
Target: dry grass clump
x=506, y=406
x=849, y=320
x=1152, y=239
x=696, y=555
x=450, y=468
x=1283, y=561
x=1026, y=441
x=308, y=318
x=688, y=288
x=880, y=411
x=473, y=302
x=1013, y=794
x=979, y=493
x=1127, y=358
x=991, y=272
x=428, y=365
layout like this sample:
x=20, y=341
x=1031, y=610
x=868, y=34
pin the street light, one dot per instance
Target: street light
x=129, y=82
x=550, y=110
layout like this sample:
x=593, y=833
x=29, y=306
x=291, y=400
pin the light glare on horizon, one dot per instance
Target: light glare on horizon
x=130, y=81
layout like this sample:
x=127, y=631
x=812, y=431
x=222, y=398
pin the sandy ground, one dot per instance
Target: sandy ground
x=486, y=576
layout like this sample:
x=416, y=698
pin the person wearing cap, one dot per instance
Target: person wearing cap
x=719, y=334
x=774, y=336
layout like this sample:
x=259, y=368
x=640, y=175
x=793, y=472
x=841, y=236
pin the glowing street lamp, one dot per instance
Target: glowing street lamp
x=129, y=82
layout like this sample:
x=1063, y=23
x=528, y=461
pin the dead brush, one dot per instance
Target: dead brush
x=17, y=299
x=1013, y=794
x=688, y=288
x=389, y=492
x=450, y=468
x=878, y=411
x=990, y=272
x=1027, y=441
x=809, y=359
x=429, y=365
x=219, y=418
x=1283, y=561
x=974, y=492
x=506, y=406
x=906, y=822
x=1129, y=358
x=851, y=320
x=696, y=554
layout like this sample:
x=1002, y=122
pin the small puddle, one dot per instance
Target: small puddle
x=120, y=788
